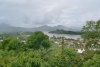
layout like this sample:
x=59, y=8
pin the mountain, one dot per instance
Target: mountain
x=61, y=27
x=8, y=28
x=49, y=28
x=5, y=27
x=43, y=28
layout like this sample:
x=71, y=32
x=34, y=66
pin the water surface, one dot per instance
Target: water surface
x=63, y=35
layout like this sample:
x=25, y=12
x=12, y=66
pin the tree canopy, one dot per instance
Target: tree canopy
x=92, y=37
x=38, y=40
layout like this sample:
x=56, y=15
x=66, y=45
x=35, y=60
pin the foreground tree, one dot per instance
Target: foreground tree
x=38, y=40
x=5, y=43
x=11, y=44
x=92, y=37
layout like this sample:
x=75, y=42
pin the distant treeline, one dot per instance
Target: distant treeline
x=61, y=31
x=13, y=34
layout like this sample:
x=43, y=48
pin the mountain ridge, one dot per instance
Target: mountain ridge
x=8, y=28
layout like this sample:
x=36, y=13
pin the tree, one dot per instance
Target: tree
x=38, y=40
x=14, y=44
x=11, y=44
x=92, y=26
x=92, y=37
x=5, y=42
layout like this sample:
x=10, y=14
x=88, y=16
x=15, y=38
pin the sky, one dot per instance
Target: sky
x=33, y=13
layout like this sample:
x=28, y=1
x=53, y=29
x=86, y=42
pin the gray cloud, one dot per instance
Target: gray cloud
x=31, y=13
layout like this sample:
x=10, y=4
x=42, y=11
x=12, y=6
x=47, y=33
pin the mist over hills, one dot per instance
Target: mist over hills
x=8, y=28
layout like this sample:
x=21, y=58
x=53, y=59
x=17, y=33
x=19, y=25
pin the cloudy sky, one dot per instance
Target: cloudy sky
x=32, y=13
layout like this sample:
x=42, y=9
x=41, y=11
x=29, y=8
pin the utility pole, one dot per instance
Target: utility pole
x=62, y=45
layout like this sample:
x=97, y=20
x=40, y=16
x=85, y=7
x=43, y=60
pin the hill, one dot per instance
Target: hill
x=61, y=31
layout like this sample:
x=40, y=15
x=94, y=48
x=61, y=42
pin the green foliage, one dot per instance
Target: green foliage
x=0, y=46
x=37, y=58
x=14, y=44
x=5, y=43
x=11, y=44
x=92, y=26
x=74, y=59
x=92, y=38
x=94, y=62
x=7, y=57
x=14, y=53
x=38, y=40
x=88, y=55
x=69, y=58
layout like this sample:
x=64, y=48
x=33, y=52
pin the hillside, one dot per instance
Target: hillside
x=61, y=31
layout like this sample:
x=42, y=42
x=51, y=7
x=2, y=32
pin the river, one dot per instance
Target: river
x=63, y=35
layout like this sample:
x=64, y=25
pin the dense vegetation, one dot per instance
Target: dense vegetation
x=61, y=31
x=39, y=50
